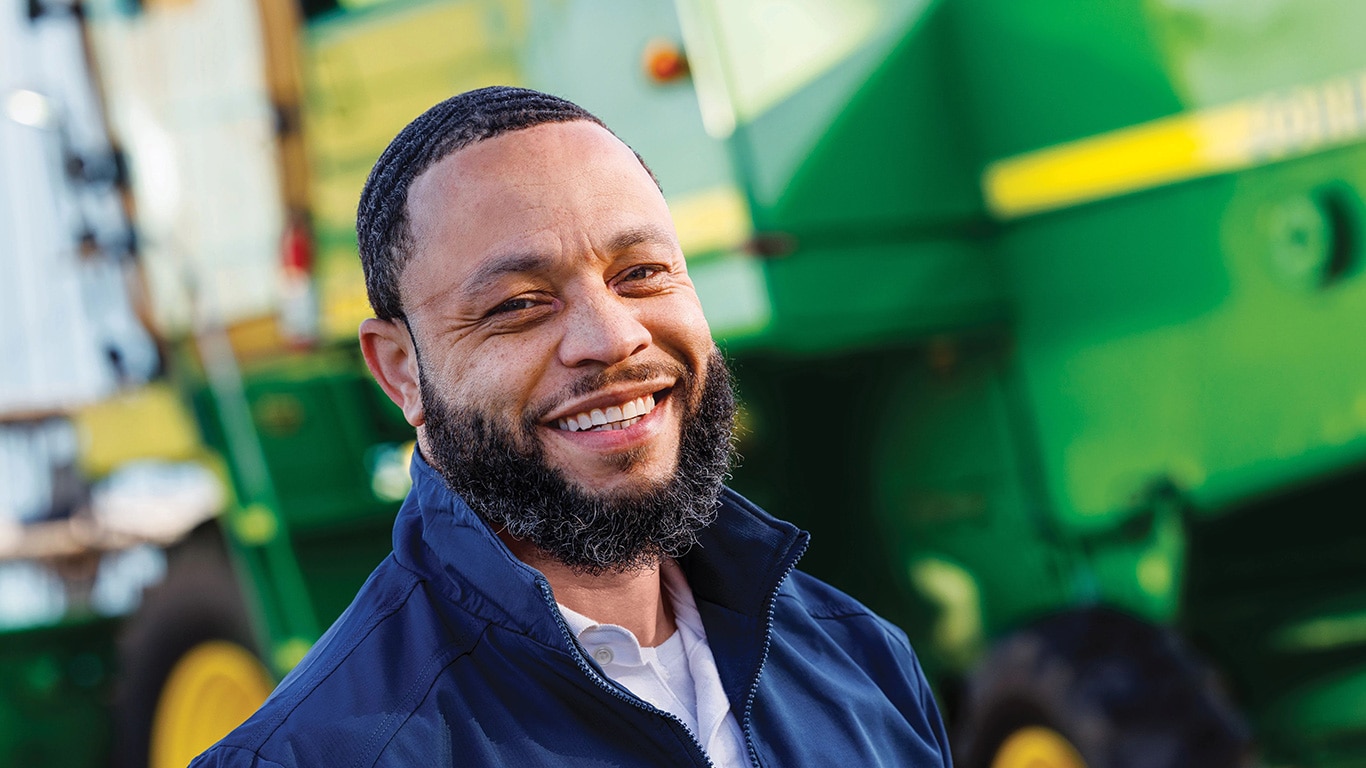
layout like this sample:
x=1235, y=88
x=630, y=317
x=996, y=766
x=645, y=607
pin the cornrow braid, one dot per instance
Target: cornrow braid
x=382, y=227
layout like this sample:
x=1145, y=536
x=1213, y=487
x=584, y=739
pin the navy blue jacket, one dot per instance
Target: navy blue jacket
x=454, y=653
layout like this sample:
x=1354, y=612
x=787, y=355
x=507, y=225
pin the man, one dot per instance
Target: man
x=570, y=583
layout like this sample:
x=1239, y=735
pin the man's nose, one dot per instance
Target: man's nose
x=601, y=329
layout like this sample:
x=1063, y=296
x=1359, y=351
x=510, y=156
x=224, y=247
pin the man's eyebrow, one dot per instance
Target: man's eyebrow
x=629, y=238
x=515, y=263
x=528, y=262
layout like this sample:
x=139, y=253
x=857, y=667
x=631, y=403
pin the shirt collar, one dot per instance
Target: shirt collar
x=578, y=623
x=675, y=586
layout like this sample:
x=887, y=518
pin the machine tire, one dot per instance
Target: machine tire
x=1117, y=691
x=190, y=640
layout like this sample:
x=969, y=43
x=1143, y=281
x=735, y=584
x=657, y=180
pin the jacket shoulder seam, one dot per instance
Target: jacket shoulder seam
x=890, y=630
x=824, y=607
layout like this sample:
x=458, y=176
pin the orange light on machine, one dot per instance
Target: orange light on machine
x=664, y=61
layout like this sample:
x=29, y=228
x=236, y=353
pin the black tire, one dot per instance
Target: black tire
x=198, y=601
x=1125, y=693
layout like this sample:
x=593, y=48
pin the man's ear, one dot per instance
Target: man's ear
x=392, y=360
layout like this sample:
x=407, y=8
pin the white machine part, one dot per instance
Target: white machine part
x=71, y=334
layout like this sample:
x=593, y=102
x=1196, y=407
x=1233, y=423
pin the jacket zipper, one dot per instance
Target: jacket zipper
x=609, y=687
x=763, y=654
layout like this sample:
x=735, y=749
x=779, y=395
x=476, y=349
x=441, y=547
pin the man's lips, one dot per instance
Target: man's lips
x=622, y=435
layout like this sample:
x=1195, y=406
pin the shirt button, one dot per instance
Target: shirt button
x=603, y=654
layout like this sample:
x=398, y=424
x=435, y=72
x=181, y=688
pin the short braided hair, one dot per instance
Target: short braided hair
x=382, y=227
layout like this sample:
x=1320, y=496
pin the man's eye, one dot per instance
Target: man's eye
x=642, y=272
x=514, y=305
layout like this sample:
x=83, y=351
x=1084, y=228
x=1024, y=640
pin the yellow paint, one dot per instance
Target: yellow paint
x=345, y=304
x=289, y=653
x=150, y=422
x=255, y=525
x=1155, y=573
x=958, y=631
x=256, y=336
x=1322, y=634
x=714, y=219
x=209, y=691
x=1244, y=134
x=1037, y=747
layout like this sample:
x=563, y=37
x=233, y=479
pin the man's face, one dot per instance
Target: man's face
x=548, y=294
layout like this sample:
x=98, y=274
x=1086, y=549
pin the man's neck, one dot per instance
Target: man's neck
x=635, y=600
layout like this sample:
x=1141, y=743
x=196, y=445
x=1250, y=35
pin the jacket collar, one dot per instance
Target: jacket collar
x=739, y=561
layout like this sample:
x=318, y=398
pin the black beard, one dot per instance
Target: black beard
x=507, y=482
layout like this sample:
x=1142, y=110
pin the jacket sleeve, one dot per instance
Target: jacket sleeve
x=924, y=715
x=930, y=707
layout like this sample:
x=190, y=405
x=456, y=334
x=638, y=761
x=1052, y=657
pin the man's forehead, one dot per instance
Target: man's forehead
x=553, y=164
x=549, y=152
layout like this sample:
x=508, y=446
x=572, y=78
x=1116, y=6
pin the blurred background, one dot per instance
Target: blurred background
x=1047, y=318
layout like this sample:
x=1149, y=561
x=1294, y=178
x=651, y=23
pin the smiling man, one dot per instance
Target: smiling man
x=570, y=584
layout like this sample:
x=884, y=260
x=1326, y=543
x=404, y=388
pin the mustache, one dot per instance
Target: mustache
x=597, y=380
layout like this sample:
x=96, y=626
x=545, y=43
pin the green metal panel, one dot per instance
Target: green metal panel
x=1088, y=399
x=877, y=292
x=960, y=500
x=320, y=428
x=591, y=53
x=1041, y=73
x=817, y=162
x=57, y=684
x=1201, y=350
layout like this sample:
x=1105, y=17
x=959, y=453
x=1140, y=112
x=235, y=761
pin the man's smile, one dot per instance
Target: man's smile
x=610, y=418
x=621, y=419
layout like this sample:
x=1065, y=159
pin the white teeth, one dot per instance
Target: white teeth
x=612, y=417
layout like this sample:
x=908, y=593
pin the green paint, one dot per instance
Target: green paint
x=289, y=653
x=1136, y=401
x=55, y=708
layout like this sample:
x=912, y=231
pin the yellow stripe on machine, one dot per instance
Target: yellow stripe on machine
x=1245, y=134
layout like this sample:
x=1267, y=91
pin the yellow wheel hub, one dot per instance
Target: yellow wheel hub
x=1037, y=747
x=209, y=691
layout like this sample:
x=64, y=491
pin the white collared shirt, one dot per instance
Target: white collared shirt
x=679, y=676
